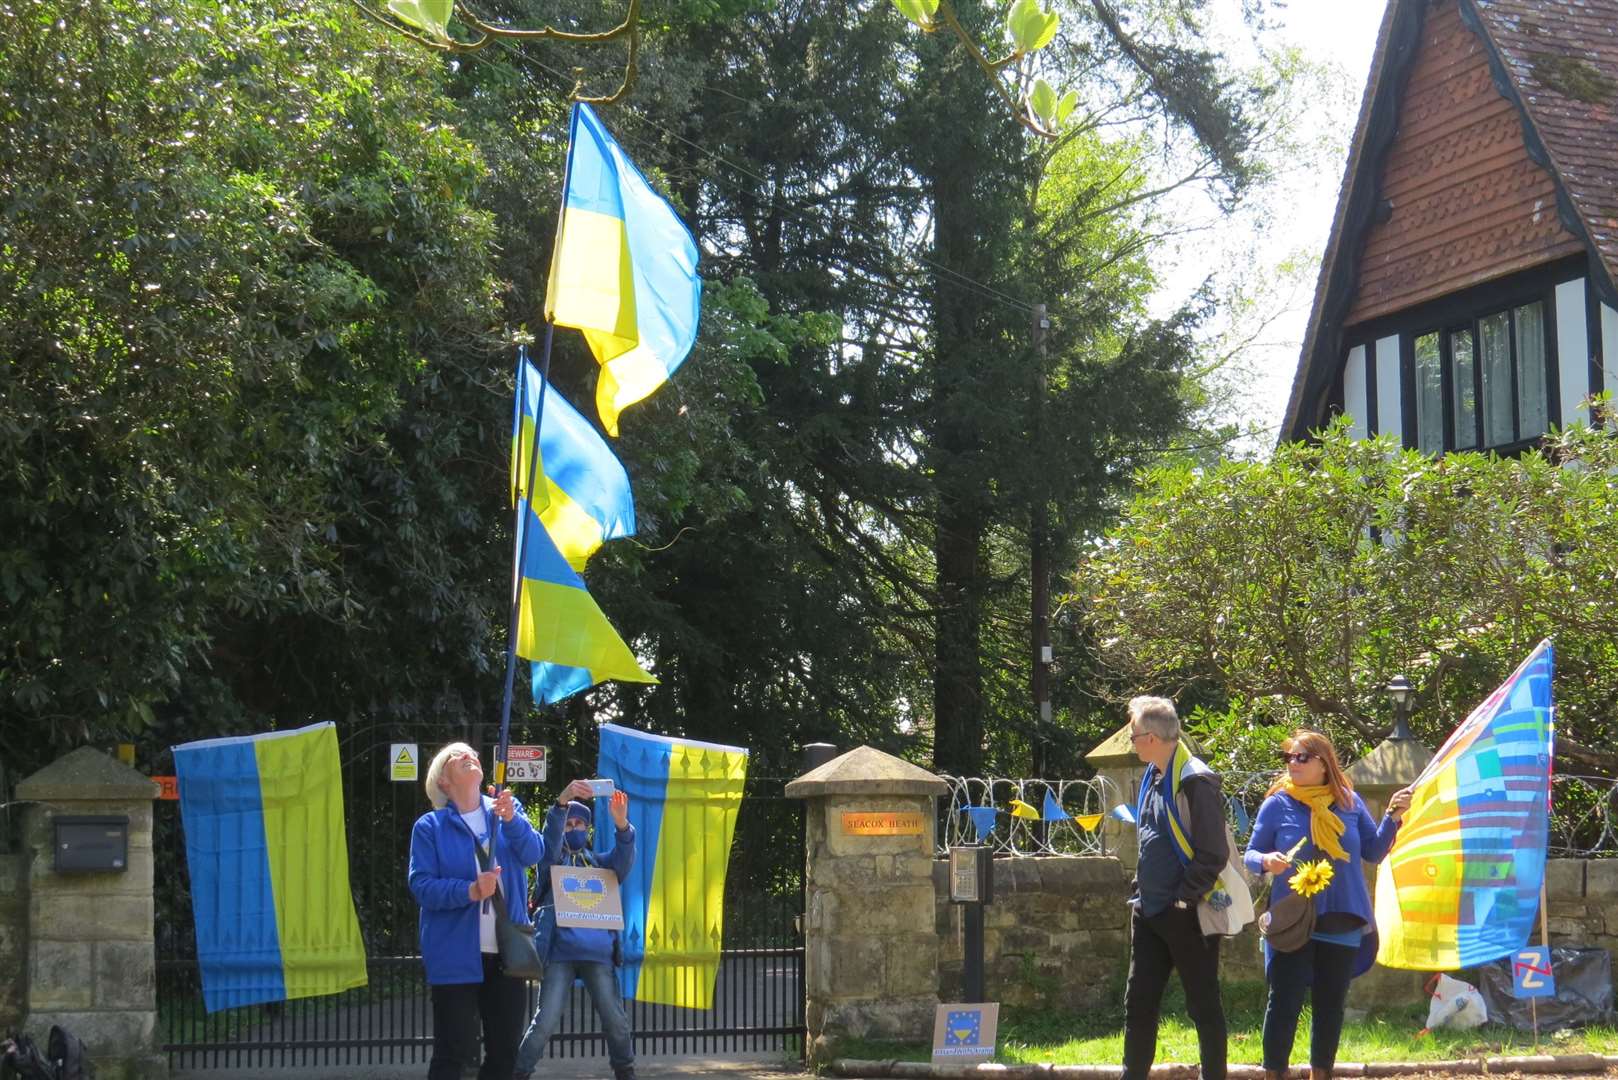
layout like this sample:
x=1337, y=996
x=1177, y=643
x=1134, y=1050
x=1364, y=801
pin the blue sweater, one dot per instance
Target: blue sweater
x=1282, y=821
x=443, y=864
x=577, y=944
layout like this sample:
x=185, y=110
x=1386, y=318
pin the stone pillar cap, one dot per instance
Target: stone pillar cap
x=865, y=770
x=86, y=775
x=1116, y=750
x=1393, y=764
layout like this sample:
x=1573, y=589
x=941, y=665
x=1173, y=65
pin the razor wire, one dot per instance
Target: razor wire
x=1084, y=802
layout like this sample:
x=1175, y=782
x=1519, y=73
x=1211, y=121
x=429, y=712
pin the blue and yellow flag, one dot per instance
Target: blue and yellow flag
x=1461, y=885
x=683, y=799
x=624, y=270
x=559, y=622
x=265, y=844
x=586, y=498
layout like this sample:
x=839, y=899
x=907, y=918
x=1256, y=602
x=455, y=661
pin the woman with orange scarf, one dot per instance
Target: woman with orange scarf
x=1314, y=825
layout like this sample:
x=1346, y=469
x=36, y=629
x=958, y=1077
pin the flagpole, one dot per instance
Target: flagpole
x=525, y=491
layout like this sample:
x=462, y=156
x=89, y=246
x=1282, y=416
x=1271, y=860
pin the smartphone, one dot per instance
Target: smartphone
x=601, y=789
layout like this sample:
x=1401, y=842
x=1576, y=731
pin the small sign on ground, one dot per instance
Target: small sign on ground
x=963, y=1034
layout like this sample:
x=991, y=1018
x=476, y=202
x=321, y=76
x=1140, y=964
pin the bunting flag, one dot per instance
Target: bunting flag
x=558, y=621
x=1462, y=884
x=1123, y=812
x=1020, y=809
x=268, y=860
x=683, y=799
x=1088, y=822
x=1053, y=808
x=983, y=820
x=624, y=270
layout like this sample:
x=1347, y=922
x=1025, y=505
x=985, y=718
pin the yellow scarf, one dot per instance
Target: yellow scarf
x=1324, y=826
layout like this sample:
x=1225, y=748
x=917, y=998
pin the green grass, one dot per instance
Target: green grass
x=1029, y=1036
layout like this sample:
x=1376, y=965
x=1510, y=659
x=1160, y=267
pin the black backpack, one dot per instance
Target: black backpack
x=23, y=1061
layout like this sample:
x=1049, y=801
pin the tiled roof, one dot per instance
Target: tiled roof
x=1556, y=61
x=1562, y=56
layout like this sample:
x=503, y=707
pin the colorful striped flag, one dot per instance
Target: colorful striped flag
x=265, y=845
x=1462, y=884
x=683, y=799
x=624, y=270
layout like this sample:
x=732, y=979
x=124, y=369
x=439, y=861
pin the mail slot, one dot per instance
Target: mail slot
x=88, y=844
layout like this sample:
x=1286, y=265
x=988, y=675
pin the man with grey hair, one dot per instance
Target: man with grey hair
x=1180, y=824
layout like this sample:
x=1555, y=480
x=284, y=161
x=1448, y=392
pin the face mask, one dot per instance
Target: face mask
x=576, y=839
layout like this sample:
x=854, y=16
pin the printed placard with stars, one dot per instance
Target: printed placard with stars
x=965, y=1032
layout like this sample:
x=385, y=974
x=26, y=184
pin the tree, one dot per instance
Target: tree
x=1295, y=588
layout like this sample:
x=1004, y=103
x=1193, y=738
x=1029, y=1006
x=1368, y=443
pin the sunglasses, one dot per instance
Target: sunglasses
x=1302, y=757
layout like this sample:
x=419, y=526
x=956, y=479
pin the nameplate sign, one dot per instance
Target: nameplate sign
x=902, y=823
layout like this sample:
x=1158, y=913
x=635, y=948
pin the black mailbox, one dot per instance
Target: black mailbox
x=87, y=844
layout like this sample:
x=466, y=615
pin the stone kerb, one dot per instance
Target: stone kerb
x=870, y=947
x=90, y=957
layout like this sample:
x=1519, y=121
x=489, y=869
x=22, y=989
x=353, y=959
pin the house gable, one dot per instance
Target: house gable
x=1483, y=170
x=1461, y=200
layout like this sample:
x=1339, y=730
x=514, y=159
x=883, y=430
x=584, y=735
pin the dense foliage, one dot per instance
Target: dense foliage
x=1290, y=591
x=261, y=271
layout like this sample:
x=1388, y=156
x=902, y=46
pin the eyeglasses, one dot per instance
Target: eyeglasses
x=465, y=762
x=1302, y=757
x=1136, y=736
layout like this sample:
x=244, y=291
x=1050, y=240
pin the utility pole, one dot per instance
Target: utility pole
x=1038, y=527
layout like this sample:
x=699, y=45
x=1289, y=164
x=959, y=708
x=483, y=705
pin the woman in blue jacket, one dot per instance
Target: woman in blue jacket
x=467, y=855
x=1314, y=803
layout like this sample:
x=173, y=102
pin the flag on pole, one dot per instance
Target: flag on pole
x=586, y=498
x=1461, y=886
x=683, y=799
x=624, y=270
x=558, y=621
x=268, y=857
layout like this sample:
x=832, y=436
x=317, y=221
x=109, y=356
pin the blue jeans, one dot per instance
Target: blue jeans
x=554, y=989
x=1321, y=971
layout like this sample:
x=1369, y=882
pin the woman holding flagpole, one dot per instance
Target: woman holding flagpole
x=1310, y=835
x=466, y=855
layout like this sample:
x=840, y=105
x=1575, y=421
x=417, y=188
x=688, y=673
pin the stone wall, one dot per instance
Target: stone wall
x=13, y=941
x=1057, y=934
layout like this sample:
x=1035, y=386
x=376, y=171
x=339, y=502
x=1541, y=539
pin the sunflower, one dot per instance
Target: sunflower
x=1311, y=878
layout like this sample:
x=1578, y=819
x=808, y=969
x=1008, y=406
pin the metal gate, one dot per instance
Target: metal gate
x=758, y=994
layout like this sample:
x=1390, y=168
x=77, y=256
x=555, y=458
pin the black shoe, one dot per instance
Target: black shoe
x=625, y=1073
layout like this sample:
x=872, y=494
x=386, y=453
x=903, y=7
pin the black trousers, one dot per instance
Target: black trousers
x=1322, y=971
x=1162, y=943
x=498, y=1005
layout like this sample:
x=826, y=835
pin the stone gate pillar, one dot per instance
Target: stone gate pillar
x=870, y=932
x=92, y=966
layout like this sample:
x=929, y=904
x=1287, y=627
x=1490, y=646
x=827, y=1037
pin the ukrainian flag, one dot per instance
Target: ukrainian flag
x=558, y=621
x=265, y=844
x=623, y=271
x=683, y=799
x=587, y=499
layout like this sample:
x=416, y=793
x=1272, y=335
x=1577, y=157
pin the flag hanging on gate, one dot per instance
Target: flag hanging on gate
x=268, y=859
x=683, y=799
x=1461, y=885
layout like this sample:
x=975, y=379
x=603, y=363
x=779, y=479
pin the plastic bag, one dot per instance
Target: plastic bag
x=1583, y=991
x=1455, y=1004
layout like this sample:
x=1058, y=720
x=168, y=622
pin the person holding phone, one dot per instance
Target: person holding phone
x=580, y=952
x=466, y=855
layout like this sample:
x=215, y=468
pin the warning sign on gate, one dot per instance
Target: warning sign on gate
x=402, y=761
x=525, y=764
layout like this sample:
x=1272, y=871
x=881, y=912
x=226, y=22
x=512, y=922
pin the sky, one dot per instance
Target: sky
x=1294, y=216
